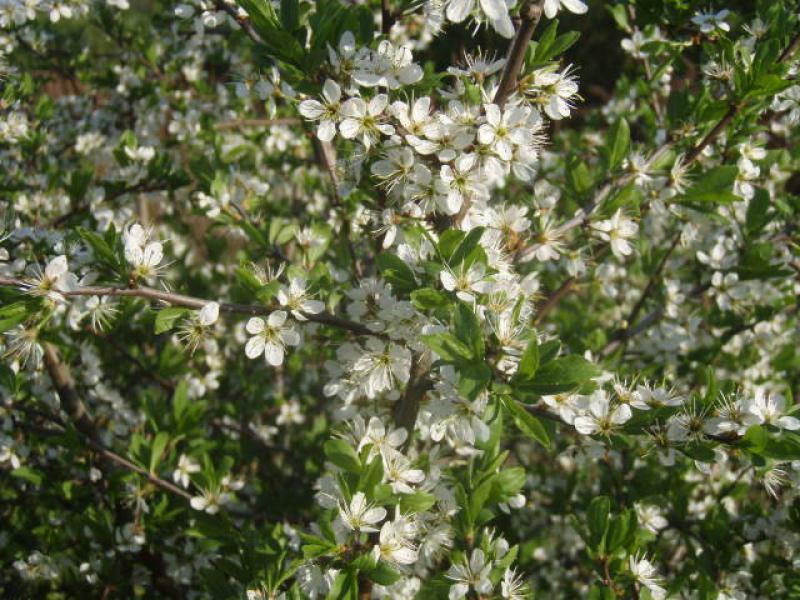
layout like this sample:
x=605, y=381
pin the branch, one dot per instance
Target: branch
x=583, y=216
x=76, y=410
x=419, y=383
x=257, y=122
x=553, y=300
x=243, y=22
x=326, y=155
x=531, y=12
x=387, y=18
x=624, y=333
x=195, y=303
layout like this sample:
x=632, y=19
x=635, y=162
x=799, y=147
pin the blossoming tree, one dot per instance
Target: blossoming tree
x=376, y=300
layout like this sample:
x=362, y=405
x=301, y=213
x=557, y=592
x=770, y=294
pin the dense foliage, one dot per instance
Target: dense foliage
x=399, y=299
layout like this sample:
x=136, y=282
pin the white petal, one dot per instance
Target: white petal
x=332, y=91
x=254, y=347
x=458, y=10
x=349, y=128
x=153, y=253
x=575, y=6
x=56, y=267
x=274, y=354
x=290, y=337
x=448, y=280
x=326, y=130
x=209, y=314
x=311, y=109
x=494, y=9
x=276, y=318
x=255, y=325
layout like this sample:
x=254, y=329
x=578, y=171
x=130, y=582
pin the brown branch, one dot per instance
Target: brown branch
x=76, y=410
x=419, y=383
x=553, y=300
x=387, y=18
x=583, y=216
x=789, y=51
x=326, y=156
x=531, y=13
x=257, y=123
x=623, y=333
x=712, y=135
x=195, y=303
x=243, y=22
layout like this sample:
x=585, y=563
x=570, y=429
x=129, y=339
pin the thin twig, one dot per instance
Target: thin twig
x=238, y=123
x=623, y=334
x=76, y=410
x=531, y=13
x=419, y=383
x=387, y=18
x=193, y=302
x=583, y=216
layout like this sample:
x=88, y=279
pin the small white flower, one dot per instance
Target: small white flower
x=186, y=466
x=290, y=414
x=600, y=418
x=270, y=337
x=770, y=408
x=295, y=298
x=466, y=281
x=209, y=314
x=474, y=575
x=326, y=112
x=56, y=278
x=143, y=255
x=645, y=573
x=617, y=231
x=364, y=121
x=360, y=515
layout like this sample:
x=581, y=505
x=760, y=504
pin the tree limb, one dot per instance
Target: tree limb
x=193, y=302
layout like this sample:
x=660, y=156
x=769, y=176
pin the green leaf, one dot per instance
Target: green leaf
x=28, y=474
x=345, y=586
x=619, y=143
x=397, y=272
x=383, y=574
x=448, y=347
x=548, y=351
x=371, y=476
x=529, y=363
x=8, y=379
x=527, y=423
x=579, y=179
x=468, y=330
x=757, y=217
x=714, y=186
x=157, y=449
x=342, y=455
x=465, y=248
x=597, y=519
x=417, y=502
x=100, y=247
x=621, y=531
x=448, y=242
x=560, y=375
x=280, y=43
x=508, y=482
x=167, y=317
x=290, y=14
x=429, y=299
x=13, y=314
x=473, y=379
